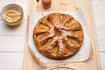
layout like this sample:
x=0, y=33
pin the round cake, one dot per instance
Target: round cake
x=58, y=36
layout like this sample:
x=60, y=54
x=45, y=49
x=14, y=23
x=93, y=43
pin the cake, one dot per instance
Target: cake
x=58, y=36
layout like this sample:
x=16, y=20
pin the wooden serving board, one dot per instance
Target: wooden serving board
x=65, y=5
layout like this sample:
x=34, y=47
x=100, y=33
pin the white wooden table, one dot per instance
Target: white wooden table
x=12, y=40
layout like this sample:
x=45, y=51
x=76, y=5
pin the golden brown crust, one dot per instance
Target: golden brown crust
x=58, y=36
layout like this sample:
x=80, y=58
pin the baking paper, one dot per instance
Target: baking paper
x=84, y=51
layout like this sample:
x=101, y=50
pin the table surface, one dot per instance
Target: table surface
x=12, y=40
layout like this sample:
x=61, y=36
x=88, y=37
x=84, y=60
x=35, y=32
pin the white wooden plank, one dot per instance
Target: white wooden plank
x=22, y=3
x=98, y=6
x=7, y=30
x=11, y=60
x=99, y=15
x=12, y=43
x=102, y=60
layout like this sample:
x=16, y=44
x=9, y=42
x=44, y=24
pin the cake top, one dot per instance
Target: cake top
x=58, y=36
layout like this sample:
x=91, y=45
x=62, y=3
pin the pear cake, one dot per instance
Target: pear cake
x=58, y=36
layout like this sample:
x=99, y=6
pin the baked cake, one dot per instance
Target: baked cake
x=58, y=36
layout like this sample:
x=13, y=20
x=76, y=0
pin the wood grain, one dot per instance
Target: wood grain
x=93, y=63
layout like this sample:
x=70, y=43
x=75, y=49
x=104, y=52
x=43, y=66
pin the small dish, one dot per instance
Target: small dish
x=12, y=14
